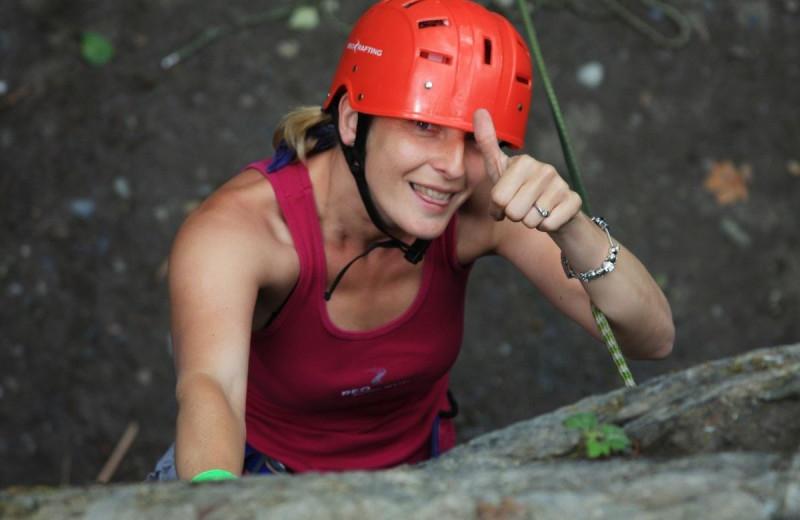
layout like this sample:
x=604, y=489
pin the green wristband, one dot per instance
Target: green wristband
x=214, y=474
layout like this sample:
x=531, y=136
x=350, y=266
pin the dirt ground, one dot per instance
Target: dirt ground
x=99, y=166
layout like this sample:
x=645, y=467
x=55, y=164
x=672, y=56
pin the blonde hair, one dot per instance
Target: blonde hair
x=294, y=127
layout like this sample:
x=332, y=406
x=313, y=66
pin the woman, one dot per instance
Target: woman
x=304, y=340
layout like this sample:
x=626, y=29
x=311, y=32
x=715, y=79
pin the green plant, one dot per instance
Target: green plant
x=598, y=440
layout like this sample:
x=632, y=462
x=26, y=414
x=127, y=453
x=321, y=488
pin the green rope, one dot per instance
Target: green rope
x=577, y=185
x=214, y=33
x=675, y=42
x=606, y=9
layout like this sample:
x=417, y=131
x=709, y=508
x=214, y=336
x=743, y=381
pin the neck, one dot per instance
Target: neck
x=343, y=219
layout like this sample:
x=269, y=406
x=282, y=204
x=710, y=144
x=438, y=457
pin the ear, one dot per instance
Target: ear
x=348, y=120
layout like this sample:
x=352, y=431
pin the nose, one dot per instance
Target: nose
x=450, y=162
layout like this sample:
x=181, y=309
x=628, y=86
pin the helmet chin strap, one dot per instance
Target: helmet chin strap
x=355, y=156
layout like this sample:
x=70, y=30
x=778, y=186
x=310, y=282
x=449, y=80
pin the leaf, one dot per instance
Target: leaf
x=581, y=421
x=304, y=18
x=96, y=49
x=597, y=449
x=728, y=183
x=615, y=437
x=595, y=445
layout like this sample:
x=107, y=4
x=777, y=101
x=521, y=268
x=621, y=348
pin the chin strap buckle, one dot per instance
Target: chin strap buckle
x=416, y=251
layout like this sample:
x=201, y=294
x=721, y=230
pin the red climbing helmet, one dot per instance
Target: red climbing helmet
x=437, y=61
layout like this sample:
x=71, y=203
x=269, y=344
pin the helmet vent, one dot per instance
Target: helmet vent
x=440, y=22
x=410, y=4
x=487, y=51
x=435, y=56
x=522, y=79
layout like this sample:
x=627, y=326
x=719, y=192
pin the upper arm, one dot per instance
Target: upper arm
x=213, y=283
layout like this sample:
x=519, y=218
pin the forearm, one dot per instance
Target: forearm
x=210, y=433
x=629, y=297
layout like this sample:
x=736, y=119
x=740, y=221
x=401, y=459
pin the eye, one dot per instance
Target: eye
x=422, y=125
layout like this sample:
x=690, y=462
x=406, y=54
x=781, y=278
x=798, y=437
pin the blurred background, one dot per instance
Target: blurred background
x=691, y=152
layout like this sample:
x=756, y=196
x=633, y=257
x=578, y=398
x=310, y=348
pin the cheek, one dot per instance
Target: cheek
x=390, y=155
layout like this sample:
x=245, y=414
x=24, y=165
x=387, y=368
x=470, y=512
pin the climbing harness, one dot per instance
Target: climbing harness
x=575, y=178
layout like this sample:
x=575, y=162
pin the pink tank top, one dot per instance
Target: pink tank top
x=320, y=398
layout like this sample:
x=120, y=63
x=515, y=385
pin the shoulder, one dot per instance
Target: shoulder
x=237, y=231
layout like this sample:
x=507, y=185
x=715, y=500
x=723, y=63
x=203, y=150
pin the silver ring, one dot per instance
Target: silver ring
x=543, y=212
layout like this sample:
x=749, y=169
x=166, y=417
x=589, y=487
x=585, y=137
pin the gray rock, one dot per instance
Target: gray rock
x=717, y=441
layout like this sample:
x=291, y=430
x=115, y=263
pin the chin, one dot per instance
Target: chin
x=428, y=232
x=422, y=224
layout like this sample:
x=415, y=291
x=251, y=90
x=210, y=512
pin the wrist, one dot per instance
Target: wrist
x=213, y=474
x=605, y=267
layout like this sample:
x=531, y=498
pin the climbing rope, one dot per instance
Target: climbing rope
x=575, y=177
x=214, y=33
x=607, y=9
x=638, y=24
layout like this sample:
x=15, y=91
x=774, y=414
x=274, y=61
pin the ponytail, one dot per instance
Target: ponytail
x=299, y=130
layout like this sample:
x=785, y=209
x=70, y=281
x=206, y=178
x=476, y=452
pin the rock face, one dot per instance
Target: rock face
x=717, y=441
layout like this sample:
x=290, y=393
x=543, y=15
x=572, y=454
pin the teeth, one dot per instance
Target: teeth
x=437, y=195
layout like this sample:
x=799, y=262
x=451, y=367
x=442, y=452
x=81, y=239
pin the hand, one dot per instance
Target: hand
x=525, y=190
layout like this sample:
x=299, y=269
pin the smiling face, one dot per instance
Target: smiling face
x=419, y=174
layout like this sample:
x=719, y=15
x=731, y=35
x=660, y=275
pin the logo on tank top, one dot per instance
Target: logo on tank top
x=377, y=379
x=374, y=384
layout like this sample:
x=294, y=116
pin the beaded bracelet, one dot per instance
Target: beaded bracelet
x=606, y=267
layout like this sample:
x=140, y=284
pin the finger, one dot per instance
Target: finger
x=520, y=202
x=560, y=211
x=537, y=217
x=486, y=139
x=494, y=160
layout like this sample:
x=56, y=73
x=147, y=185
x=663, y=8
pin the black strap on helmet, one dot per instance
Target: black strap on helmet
x=355, y=156
x=356, y=159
